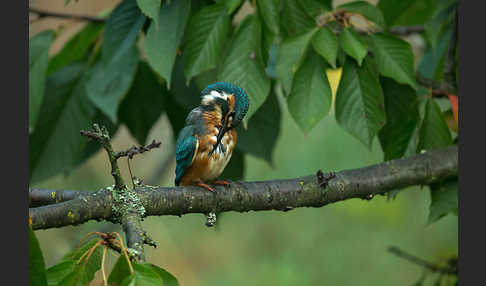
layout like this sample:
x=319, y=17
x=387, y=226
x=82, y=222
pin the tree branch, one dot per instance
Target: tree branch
x=284, y=195
x=38, y=197
x=43, y=13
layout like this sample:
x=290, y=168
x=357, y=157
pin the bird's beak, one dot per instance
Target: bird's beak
x=221, y=133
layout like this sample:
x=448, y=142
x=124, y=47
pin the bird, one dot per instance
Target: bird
x=205, y=145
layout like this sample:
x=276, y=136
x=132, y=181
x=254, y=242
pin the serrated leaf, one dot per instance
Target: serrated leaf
x=37, y=271
x=353, y=45
x=290, y=54
x=121, y=31
x=394, y=58
x=232, y=5
x=325, y=43
x=76, y=48
x=243, y=64
x=261, y=136
x=151, y=9
x=269, y=11
x=311, y=96
x=144, y=276
x=143, y=104
x=120, y=271
x=443, y=200
x=434, y=132
x=293, y=19
x=163, y=40
x=38, y=58
x=56, y=144
x=358, y=101
x=402, y=118
x=206, y=32
x=392, y=9
x=167, y=278
x=366, y=9
x=108, y=84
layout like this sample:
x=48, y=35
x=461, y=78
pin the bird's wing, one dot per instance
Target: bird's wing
x=186, y=149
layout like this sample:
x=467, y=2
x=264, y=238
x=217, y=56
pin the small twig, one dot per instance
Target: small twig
x=134, y=150
x=437, y=88
x=43, y=13
x=451, y=270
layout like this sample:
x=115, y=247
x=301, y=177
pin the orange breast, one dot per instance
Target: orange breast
x=204, y=167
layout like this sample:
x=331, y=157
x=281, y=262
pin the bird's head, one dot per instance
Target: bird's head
x=229, y=99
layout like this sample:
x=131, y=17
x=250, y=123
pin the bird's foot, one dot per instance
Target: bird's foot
x=221, y=182
x=201, y=184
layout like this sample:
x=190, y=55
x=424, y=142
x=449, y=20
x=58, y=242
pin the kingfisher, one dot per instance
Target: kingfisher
x=205, y=144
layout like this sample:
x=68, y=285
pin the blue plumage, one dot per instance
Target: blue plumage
x=186, y=147
x=242, y=102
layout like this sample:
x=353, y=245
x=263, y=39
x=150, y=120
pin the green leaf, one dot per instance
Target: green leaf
x=121, y=31
x=108, y=84
x=402, y=118
x=358, y=100
x=76, y=48
x=392, y=9
x=163, y=40
x=366, y=9
x=144, y=276
x=143, y=104
x=167, y=278
x=432, y=62
x=58, y=272
x=290, y=55
x=294, y=19
x=207, y=31
x=443, y=199
x=270, y=14
x=38, y=58
x=353, y=45
x=417, y=13
x=232, y=5
x=56, y=144
x=151, y=9
x=441, y=19
x=243, y=64
x=37, y=271
x=84, y=271
x=315, y=8
x=434, y=132
x=311, y=96
x=177, y=116
x=120, y=271
x=325, y=43
x=263, y=131
x=394, y=58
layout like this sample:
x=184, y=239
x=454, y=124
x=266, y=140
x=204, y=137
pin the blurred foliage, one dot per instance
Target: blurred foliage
x=144, y=68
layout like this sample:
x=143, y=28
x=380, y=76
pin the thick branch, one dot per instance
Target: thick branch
x=43, y=13
x=423, y=169
x=38, y=197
